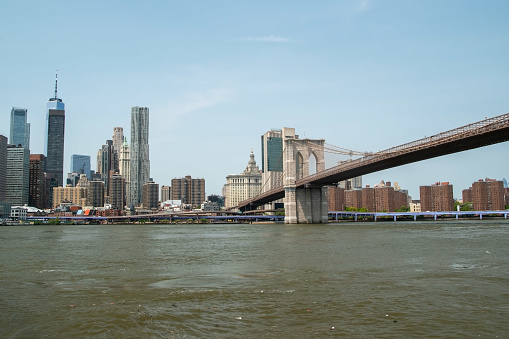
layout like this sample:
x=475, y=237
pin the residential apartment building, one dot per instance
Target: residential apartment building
x=488, y=195
x=189, y=191
x=139, y=153
x=437, y=197
x=151, y=195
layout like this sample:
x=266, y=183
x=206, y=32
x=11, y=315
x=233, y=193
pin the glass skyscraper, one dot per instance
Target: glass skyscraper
x=80, y=164
x=54, y=139
x=139, y=163
x=20, y=129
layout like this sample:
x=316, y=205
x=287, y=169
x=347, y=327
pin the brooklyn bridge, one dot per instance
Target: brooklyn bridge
x=304, y=195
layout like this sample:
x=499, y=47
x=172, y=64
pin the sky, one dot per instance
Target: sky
x=365, y=75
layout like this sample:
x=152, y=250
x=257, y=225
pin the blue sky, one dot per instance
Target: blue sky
x=365, y=75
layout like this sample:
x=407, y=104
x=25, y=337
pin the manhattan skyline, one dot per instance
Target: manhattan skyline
x=363, y=75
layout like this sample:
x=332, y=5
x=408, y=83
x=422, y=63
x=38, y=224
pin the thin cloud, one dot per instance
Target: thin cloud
x=363, y=5
x=191, y=103
x=269, y=38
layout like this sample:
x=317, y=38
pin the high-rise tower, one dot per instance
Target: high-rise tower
x=54, y=139
x=139, y=163
x=20, y=129
x=272, y=161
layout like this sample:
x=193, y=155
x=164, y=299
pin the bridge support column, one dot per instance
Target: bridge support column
x=307, y=205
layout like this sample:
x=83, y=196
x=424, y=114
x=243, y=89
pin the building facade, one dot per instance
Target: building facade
x=139, y=153
x=165, y=193
x=54, y=139
x=190, y=191
x=117, y=193
x=272, y=161
x=243, y=186
x=20, y=129
x=107, y=163
x=151, y=195
x=3, y=167
x=124, y=169
x=336, y=198
x=18, y=175
x=80, y=164
x=437, y=197
x=36, y=190
x=488, y=195
x=118, y=138
x=95, y=194
x=73, y=195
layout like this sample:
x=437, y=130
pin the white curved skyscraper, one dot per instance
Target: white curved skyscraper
x=140, y=162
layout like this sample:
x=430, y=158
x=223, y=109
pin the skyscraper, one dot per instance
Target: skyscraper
x=272, y=161
x=18, y=174
x=20, y=129
x=3, y=166
x=139, y=163
x=36, y=181
x=124, y=169
x=54, y=138
x=118, y=138
x=80, y=164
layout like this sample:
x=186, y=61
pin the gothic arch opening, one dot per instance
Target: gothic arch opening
x=313, y=163
x=299, y=166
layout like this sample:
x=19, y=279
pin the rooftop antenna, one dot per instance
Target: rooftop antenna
x=56, y=82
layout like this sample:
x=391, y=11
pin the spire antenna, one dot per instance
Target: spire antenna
x=56, y=83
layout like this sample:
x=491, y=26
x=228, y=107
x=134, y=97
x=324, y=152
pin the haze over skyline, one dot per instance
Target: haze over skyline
x=365, y=75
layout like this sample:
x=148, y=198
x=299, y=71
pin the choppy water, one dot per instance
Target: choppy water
x=360, y=280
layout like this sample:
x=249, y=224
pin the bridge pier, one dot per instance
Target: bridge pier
x=307, y=205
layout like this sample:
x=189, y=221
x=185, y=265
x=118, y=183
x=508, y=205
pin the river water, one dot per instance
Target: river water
x=355, y=280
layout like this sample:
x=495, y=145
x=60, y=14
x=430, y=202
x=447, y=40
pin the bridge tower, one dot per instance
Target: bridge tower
x=304, y=204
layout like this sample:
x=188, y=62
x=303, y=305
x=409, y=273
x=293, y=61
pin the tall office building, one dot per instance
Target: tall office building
x=107, y=163
x=139, y=163
x=272, y=160
x=3, y=166
x=20, y=129
x=18, y=175
x=118, y=138
x=80, y=164
x=36, y=189
x=54, y=139
x=243, y=186
x=124, y=169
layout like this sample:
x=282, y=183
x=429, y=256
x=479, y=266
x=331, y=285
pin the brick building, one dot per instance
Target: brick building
x=437, y=197
x=336, y=199
x=488, y=195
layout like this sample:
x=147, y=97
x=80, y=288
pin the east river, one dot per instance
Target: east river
x=355, y=280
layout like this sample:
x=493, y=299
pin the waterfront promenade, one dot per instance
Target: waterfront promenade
x=335, y=216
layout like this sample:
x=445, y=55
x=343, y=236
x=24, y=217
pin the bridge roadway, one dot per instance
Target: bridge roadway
x=483, y=133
